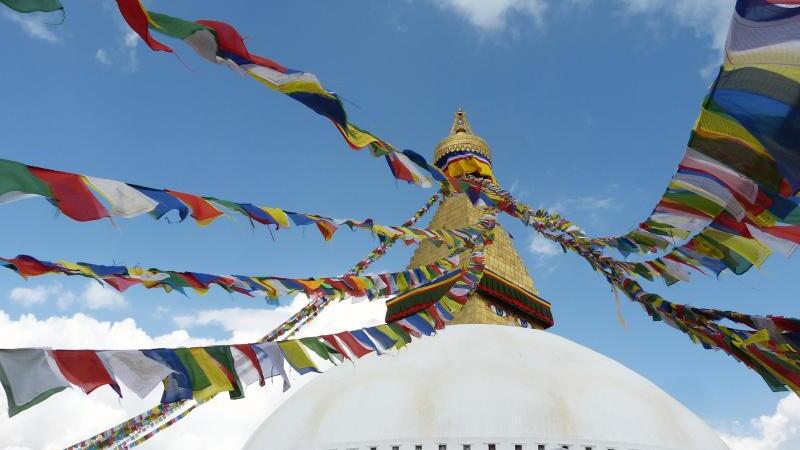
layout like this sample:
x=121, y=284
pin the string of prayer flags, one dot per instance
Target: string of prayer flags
x=136, y=425
x=768, y=346
x=32, y=375
x=381, y=249
x=723, y=244
x=221, y=43
x=337, y=288
x=742, y=157
x=84, y=198
x=299, y=319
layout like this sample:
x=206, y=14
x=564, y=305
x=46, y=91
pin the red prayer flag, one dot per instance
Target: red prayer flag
x=120, y=283
x=251, y=355
x=326, y=228
x=202, y=211
x=191, y=280
x=438, y=321
x=399, y=169
x=84, y=369
x=788, y=233
x=331, y=339
x=136, y=16
x=30, y=266
x=71, y=195
x=229, y=40
x=356, y=348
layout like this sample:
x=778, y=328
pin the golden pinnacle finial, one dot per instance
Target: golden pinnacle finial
x=461, y=138
x=460, y=123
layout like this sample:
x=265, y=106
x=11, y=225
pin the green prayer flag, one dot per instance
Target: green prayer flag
x=228, y=204
x=317, y=346
x=696, y=201
x=222, y=354
x=29, y=6
x=173, y=26
x=16, y=177
x=402, y=333
x=197, y=376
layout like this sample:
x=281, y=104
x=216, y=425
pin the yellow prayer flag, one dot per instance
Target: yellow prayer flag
x=750, y=249
x=279, y=215
x=297, y=356
x=219, y=381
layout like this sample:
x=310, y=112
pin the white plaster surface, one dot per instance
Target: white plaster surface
x=482, y=384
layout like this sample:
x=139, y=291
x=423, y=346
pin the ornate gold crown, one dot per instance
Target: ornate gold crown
x=461, y=139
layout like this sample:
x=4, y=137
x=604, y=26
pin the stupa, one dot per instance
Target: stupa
x=506, y=294
x=492, y=380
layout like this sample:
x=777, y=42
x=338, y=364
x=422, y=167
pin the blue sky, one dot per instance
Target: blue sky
x=587, y=106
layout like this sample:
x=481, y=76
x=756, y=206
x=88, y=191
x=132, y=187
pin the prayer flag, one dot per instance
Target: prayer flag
x=178, y=385
x=137, y=18
x=297, y=356
x=125, y=201
x=71, y=195
x=272, y=361
x=29, y=6
x=135, y=370
x=202, y=211
x=17, y=181
x=28, y=378
x=84, y=369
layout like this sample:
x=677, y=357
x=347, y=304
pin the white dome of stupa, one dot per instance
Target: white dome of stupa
x=482, y=387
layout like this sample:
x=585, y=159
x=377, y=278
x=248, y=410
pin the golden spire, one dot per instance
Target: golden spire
x=461, y=138
x=460, y=123
x=506, y=294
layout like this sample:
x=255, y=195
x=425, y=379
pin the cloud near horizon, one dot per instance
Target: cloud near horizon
x=94, y=296
x=777, y=431
x=80, y=416
x=706, y=18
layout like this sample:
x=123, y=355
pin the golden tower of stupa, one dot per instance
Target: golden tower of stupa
x=506, y=294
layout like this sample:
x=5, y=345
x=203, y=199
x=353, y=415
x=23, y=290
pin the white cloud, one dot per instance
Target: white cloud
x=93, y=296
x=347, y=315
x=778, y=431
x=102, y=56
x=72, y=416
x=543, y=247
x=591, y=203
x=706, y=18
x=130, y=38
x=98, y=296
x=586, y=203
x=517, y=192
x=247, y=325
x=122, y=50
x=31, y=296
x=492, y=15
x=83, y=331
x=34, y=25
x=65, y=299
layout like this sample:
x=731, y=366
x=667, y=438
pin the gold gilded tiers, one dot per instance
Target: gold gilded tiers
x=501, y=257
x=457, y=212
